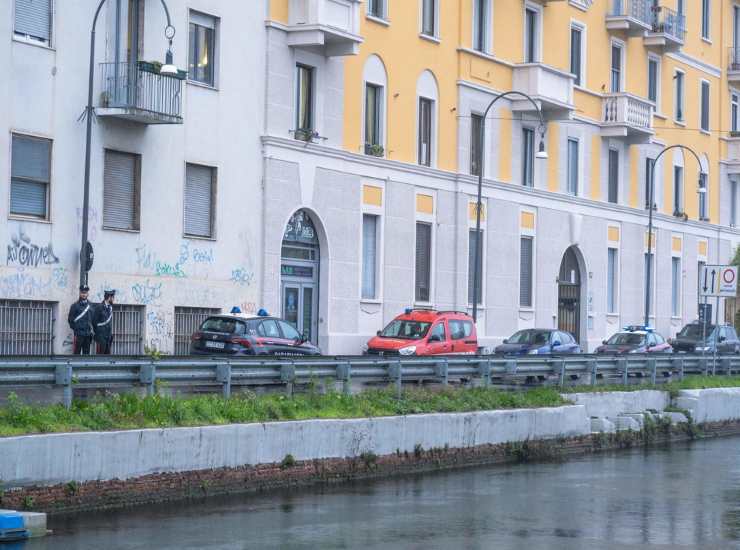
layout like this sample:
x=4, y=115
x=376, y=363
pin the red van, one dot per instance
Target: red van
x=426, y=332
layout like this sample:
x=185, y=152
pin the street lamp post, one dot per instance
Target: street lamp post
x=541, y=154
x=651, y=206
x=167, y=68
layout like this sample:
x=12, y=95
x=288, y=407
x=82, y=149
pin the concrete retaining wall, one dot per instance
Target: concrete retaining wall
x=612, y=404
x=711, y=405
x=60, y=458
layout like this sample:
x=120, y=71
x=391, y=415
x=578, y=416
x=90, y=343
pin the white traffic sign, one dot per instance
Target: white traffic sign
x=718, y=280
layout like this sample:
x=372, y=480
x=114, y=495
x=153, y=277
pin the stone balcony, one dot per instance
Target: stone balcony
x=328, y=27
x=733, y=66
x=627, y=116
x=732, y=161
x=550, y=88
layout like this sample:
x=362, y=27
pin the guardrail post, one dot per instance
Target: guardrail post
x=678, y=365
x=287, y=376
x=725, y=364
x=594, y=368
x=653, y=366
x=148, y=377
x=344, y=374
x=441, y=369
x=223, y=376
x=395, y=374
x=484, y=370
x=623, y=367
x=510, y=367
x=63, y=377
x=704, y=365
x=561, y=370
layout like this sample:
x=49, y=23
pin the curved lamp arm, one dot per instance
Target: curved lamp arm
x=541, y=153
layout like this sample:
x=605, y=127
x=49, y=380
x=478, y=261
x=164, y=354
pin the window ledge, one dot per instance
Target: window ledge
x=423, y=304
x=430, y=38
x=202, y=85
x=32, y=42
x=681, y=123
x=706, y=40
x=198, y=237
x=705, y=132
x=526, y=309
x=371, y=301
x=121, y=230
x=612, y=316
x=661, y=116
x=21, y=218
x=379, y=20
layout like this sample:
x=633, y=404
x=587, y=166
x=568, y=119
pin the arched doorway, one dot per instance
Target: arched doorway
x=569, y=294
x=299, y=275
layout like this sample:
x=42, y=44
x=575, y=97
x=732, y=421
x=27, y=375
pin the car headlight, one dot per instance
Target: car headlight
x=408, y=350
x=703, y=348
x=533, y=351
x=638, y=350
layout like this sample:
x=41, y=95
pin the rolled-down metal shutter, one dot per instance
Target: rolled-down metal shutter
x=423, y=261
x=30, y=169
x=120, y=193
x=198, y=200
x=33, y=18
x=525, y=272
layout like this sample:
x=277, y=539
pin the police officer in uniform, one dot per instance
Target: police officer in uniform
x=104, y=323
x=80, y=320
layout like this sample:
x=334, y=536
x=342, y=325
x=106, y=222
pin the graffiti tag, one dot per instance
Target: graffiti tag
x=146, y=293
x=23, y=252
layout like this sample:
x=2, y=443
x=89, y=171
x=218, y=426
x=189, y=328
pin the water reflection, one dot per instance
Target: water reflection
x=687, y=496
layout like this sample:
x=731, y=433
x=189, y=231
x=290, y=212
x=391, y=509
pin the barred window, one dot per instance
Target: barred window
x=188, y=321
x=26, y=327
x=128, y=330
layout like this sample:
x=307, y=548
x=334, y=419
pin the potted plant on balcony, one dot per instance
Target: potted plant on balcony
x=681, y=215
x=155, y=67
x=374, y=149
x=305, y=134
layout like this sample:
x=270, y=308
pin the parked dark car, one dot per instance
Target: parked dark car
x=693, y=338
x=537, y=341
x=237, y=334
x=635, y=339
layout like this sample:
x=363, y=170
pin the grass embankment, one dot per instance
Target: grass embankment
x=127, y=411
x=688, y=383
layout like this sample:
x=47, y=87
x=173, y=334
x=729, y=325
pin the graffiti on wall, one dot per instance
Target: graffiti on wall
x=242, y=276
x=22, y=251
x=148, y=260
x=93, y=220
x=146, y=293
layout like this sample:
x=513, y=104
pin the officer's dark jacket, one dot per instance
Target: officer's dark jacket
x=80, y=318
x=103, y=322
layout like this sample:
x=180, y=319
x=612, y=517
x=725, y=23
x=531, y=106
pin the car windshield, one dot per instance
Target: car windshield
x=219, y=324
x=695, y=331
x=530, y=337
x=626, y=339
x=408, y=330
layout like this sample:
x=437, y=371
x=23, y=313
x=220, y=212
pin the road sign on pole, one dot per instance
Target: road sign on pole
x=719, y=281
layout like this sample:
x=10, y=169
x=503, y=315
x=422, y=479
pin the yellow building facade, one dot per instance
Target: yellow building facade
x=616, y=81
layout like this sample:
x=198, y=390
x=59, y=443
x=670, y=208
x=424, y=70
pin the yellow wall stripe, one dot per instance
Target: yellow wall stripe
x=372, y=195
x=425, y=204
x=527, y=220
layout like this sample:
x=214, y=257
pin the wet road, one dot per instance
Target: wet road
x=686, y=496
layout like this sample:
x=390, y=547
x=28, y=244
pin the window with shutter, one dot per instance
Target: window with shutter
x=477, y=140
x=576, y=52
x=611, y=281
x=573, y=166
x=33, y=20
x=528, y=157
x=525, y=272
x=30, y=169
x=121, y=190
x=199, y=194
x=423, y=261
x=613, y=176
x=425, y=131
x=705, y=106
x=369, y=255
x=472, y=243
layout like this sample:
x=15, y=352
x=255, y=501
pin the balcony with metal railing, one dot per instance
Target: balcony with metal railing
x=733, y=66
x=632, y=17
x=328, y=27
x=139, y=93
x=627, y=116
x=669, y=29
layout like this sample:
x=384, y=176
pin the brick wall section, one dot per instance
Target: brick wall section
x=97, y=495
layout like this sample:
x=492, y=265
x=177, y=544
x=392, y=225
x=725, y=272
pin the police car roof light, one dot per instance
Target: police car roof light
x=235, y=310
x=262, y=313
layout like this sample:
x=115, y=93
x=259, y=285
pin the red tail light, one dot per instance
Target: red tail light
x=196, y=336
x=242, y=342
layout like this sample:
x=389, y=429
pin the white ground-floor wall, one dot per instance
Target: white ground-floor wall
x=332, y=187
x=156, y=272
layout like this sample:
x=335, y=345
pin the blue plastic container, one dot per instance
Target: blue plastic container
x=12, y=527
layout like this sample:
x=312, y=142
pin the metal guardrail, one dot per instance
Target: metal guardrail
x=222, y=374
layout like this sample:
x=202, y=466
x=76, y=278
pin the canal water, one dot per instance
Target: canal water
x=685, y=496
